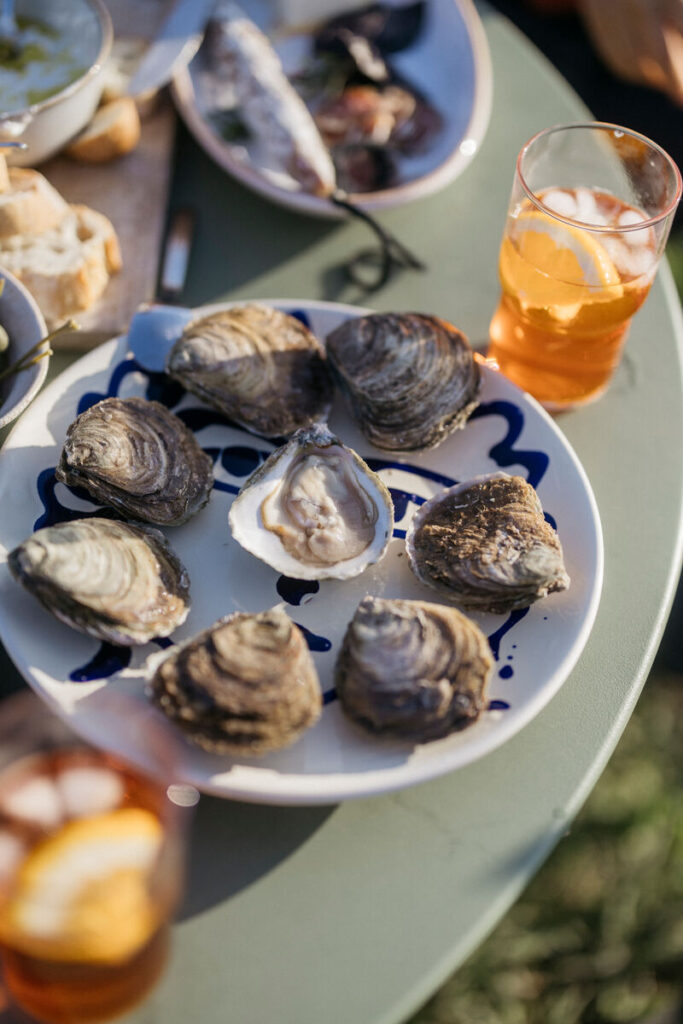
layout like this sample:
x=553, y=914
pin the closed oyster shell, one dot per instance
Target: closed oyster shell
x=314, y=510
x=412, y=669
x=259, y=366
x=411, y=379
x=139, y=458
x=245, y=685
x=485, y=544
x=114, y=581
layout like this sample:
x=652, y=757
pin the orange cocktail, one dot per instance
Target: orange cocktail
x=578, y=257
x=90, y=874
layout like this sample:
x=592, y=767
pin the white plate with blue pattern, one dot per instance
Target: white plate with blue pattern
x=100, y=689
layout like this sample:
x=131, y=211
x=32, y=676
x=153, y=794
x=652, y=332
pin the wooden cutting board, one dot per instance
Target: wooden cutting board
x=132, y=191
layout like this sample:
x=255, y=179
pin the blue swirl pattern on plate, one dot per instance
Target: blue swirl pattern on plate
x=240, y=460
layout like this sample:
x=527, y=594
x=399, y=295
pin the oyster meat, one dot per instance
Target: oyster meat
x=115, y=581
x=412, y=669
x=137, y=457
x=259, y=366
x=314, y=509
x=246, y=685
x=411, y=379
x=486, y=544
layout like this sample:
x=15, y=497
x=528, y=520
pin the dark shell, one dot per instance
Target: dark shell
x=486, y=545
x=411, y=379
x=258, y=366
x=115, y=581
x=393, y=115
x=245, y=685
x=363, y=168
x=139, y=458
x=412, y=669
x=387, y=27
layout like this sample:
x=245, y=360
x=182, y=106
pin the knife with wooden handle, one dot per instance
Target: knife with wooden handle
x=174, y=45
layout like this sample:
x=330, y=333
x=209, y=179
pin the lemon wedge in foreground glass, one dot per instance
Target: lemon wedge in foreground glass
x=83, y=895
x=547, y=263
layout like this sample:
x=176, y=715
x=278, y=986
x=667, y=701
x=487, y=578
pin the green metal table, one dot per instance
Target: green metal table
x=354, y=914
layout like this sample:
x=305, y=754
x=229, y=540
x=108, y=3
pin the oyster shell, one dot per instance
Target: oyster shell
x=136, y=456
x=259, y=366
x=485, y=544
x=411, y=379
x=246, y=685
x=314, y=509
x=412, y=669
x=115, y=581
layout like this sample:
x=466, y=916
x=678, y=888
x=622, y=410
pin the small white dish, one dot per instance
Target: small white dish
x=48, y=124
x=23, y=321
x=102, y=693
x=450, y=63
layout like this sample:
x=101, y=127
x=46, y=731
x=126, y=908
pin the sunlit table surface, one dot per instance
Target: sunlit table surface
x=354, y=914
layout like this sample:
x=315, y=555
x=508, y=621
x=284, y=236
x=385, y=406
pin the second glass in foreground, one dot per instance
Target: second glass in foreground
x=589, y=216
x=90, y=872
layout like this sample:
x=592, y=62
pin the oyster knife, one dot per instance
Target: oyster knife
x=174, y=46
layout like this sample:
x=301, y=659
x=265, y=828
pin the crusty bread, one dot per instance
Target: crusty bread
x=30, y=204
x=113, y=131
x=66, y=268
x=124, y=59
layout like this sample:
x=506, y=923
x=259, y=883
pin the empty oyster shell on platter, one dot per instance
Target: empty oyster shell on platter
x=485, y=544
x=314, y=510
x=412, y=669
x=115, y=581
x=411, y=379
x=245, y=685
x=262, y=368
x=136, y=456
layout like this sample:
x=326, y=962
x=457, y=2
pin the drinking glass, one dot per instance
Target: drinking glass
x=91, y=865
x=589, y=215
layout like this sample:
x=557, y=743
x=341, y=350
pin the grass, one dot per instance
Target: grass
x=597, y=937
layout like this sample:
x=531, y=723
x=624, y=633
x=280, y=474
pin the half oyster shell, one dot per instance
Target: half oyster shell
x=411, y=379
x=485, y=544
x=314, y=510
x=246, y=685
x=412, y=669
x=136, y=456
x=111, y=580
x=259, y=366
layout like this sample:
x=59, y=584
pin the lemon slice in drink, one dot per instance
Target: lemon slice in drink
x=547, y=263
x=82, y=894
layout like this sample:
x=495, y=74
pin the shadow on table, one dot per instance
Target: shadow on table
x=235, y=844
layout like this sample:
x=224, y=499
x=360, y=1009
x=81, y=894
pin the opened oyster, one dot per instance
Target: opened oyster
x=314, y=509
x=260, y=367
x=485, y=544
x=411, y=379
x=112, y=580
x=412, y=669
x=137, y=457
x=246, y=685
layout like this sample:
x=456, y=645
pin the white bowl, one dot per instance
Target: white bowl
x=86, y=26
x=23, y=321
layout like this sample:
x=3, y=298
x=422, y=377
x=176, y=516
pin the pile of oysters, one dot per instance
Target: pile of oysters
x=313, y=510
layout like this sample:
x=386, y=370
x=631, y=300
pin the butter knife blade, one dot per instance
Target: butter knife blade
x=174, y=45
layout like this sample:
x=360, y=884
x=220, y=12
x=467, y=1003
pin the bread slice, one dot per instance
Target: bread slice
x=67, y=268
x=113, y=131
x=30, y=205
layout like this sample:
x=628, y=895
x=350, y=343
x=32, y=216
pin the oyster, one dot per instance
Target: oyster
x=246, y=685
x=411, y=379
x=485, y=544
x=412, y=669
x=137, y=457
x=260, y=367
x=314, y=509
x=112, y=580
